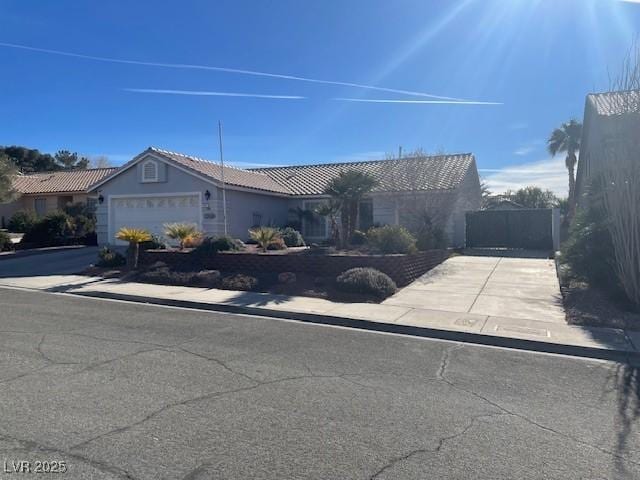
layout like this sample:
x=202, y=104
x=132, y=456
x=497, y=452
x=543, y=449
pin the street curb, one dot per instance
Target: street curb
x=40, y=251
x=622, y=356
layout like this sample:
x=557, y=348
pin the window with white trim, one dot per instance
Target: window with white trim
x=150, y=171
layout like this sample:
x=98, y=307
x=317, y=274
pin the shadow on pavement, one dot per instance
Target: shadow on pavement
x=625, y=381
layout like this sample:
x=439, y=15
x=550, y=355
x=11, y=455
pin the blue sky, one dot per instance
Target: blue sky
x=537, y=59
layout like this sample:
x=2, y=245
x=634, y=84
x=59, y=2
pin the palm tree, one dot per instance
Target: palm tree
x=264, y=236
x=567, y=139
x=135, y=236
x=348, y=189
x=330, y=210
x=183, y=232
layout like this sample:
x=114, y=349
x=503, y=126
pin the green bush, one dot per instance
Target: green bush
x=5, y=242
x=21, y=221
x=213, y=245
x=160, y=273
x=239, y=281
x=51, y=230
x=156, y=243
x=588, y=252
x=108, y=258
x=368, y=281
x=391, y=239
x=358, y=238
x=431, y=238
x=277, y=244
x=292, y=237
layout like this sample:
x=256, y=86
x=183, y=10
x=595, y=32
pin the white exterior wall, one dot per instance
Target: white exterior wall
x=468, y=199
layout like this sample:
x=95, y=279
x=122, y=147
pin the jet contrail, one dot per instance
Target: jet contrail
x=212, y=94
x=226, y=70
x=442, y=102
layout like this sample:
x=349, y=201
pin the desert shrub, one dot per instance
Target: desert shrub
x=264, y=236
x=368, y=281
x=207, y=278
x=51, y=230
x=182, y=232
x=192, y=241
x=588, y=252
x=358, y=238
x=108, y=258
x=156, y=243
x=21, y=221
x=292, y=237
x=5, y=242
x=391, y=239
x=213, y=245
x=239, y=281
x=431, y=238
x=277, y=244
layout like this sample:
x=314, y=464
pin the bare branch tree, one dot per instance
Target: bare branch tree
x=418, y=208
x=621, y=179
x=100, y=161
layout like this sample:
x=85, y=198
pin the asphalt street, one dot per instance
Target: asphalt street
x=131, y=391
x=53, y=263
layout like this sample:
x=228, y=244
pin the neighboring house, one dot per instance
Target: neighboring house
x=611, y=130
x=46, y=192
x=158, y=187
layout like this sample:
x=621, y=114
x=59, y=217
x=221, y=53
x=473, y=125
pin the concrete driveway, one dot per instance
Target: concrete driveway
x=522, y=288
x=46, y=268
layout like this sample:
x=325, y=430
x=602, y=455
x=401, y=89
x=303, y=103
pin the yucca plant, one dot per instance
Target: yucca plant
x=264, y=236
x=182, y=232
x=135, y=236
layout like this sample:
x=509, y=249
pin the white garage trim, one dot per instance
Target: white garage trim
x=110, y=198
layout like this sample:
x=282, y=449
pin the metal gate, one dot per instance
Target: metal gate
x=526, y=228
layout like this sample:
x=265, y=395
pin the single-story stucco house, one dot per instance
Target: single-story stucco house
x=158, y=187
x=610, y=133
x=44, y=193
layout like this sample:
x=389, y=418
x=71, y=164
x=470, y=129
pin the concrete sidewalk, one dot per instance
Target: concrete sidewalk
x=479, y=328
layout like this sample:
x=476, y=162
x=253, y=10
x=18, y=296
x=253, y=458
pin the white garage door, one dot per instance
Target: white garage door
x=151, y=213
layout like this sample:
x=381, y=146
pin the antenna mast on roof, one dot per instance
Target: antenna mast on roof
x=224, y=188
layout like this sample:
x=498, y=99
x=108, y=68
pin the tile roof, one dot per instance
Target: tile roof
x=435, y=172
x=59, y=182
x=615, y=103
x=232, y=176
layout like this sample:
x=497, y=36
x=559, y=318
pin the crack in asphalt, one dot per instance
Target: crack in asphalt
x=188, y=401
x=219, y=362
x=195, y=473
x=446, y=360
x=30, y=445
x=441, y=441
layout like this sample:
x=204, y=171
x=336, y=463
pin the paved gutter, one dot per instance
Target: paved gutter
x=37, y=251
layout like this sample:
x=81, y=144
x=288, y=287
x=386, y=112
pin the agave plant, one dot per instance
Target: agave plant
x=264, y=236
x=182, y=232
x=135, y=236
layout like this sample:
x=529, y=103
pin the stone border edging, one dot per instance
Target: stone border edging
x=425, y=332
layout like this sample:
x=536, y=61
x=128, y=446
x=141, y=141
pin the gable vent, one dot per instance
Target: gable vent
x=149, y=171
